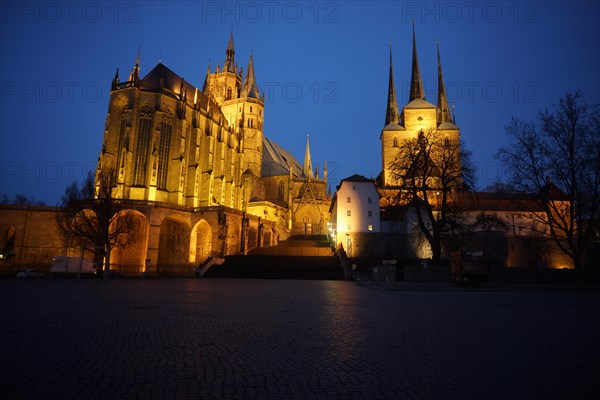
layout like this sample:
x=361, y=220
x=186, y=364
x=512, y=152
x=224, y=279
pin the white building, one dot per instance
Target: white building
x=354, y=209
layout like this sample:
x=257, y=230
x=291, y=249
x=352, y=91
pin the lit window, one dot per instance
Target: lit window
x=348, y=200
x=370, y=213
x=369, y=200
x=370, y=227
x=349, y=213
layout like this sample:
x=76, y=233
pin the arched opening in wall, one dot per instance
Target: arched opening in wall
x=200, y=242
x=266, y=236
x=252, y=238
x=233, y=237
x=129, y=257
x=173, y=247
x=307, y=221
x=7, y=242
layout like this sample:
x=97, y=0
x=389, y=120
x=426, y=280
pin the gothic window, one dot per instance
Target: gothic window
x=250, y=108
x=164, y=147
x=228, y=96
x=122, y=133
x=142, y=148
x=395, y=142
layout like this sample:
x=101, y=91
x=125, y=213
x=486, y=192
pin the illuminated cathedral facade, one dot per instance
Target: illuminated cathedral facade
x=171, y=142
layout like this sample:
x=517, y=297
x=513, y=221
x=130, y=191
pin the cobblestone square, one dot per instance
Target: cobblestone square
x=273, y=339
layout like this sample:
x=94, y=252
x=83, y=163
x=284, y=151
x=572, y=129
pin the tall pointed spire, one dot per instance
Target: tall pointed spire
x=135, y=72
x=416, y=84
x=250, y=86
x=443, y=111
x=307, y=167
x=115, y=81
x=206, y=78
x=391, y=115
x=229, y=65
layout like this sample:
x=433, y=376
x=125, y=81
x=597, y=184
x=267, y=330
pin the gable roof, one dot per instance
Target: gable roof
x=173, y=85
x=276, y=160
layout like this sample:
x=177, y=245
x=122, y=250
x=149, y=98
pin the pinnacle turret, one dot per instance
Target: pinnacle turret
x=250, y=86
x=229, y=65
x=134, y=76
x=307, y=167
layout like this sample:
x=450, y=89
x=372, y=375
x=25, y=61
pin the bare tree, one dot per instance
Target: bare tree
x=431, y=170
x=557, y=157
x=92, y=218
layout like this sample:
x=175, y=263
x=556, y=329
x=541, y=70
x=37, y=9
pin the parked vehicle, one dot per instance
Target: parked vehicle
x=72, y=265
x=29, y=273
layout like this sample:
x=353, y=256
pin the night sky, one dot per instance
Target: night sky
x=323, y=67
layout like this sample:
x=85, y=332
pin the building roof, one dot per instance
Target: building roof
x=419, y=103
x=175, y=86
x=447, y=126
x=492, y=201
x=393, y=127
x=357, y=178
x=276, y=160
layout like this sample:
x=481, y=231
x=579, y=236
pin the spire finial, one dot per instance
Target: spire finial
x=250, y=86
x=137, y=59
x=416, y=84
x=307, y=167
x=443, y=111
x=391, y=115
x=229, y=65
x=453, y=115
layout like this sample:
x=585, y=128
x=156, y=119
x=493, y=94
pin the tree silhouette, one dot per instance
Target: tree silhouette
x=558, y=157
x=92, y=218
x=431, y=170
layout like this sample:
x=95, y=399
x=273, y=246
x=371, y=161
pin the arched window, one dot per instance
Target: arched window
x=395, y=142
x=142, y=147
x=164, y=147
x=122, y=133
x=228, y=96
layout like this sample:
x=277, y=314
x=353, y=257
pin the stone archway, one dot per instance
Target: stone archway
x=174, y=247
x=307, y=220
x=200, y=242
x=130, y=259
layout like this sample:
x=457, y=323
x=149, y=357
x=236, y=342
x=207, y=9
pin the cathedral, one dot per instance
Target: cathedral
x=173, y=143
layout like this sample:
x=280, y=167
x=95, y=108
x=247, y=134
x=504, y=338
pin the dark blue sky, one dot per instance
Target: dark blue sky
x=324, y=67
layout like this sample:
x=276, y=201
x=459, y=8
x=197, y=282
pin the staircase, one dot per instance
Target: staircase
x=299, y=257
